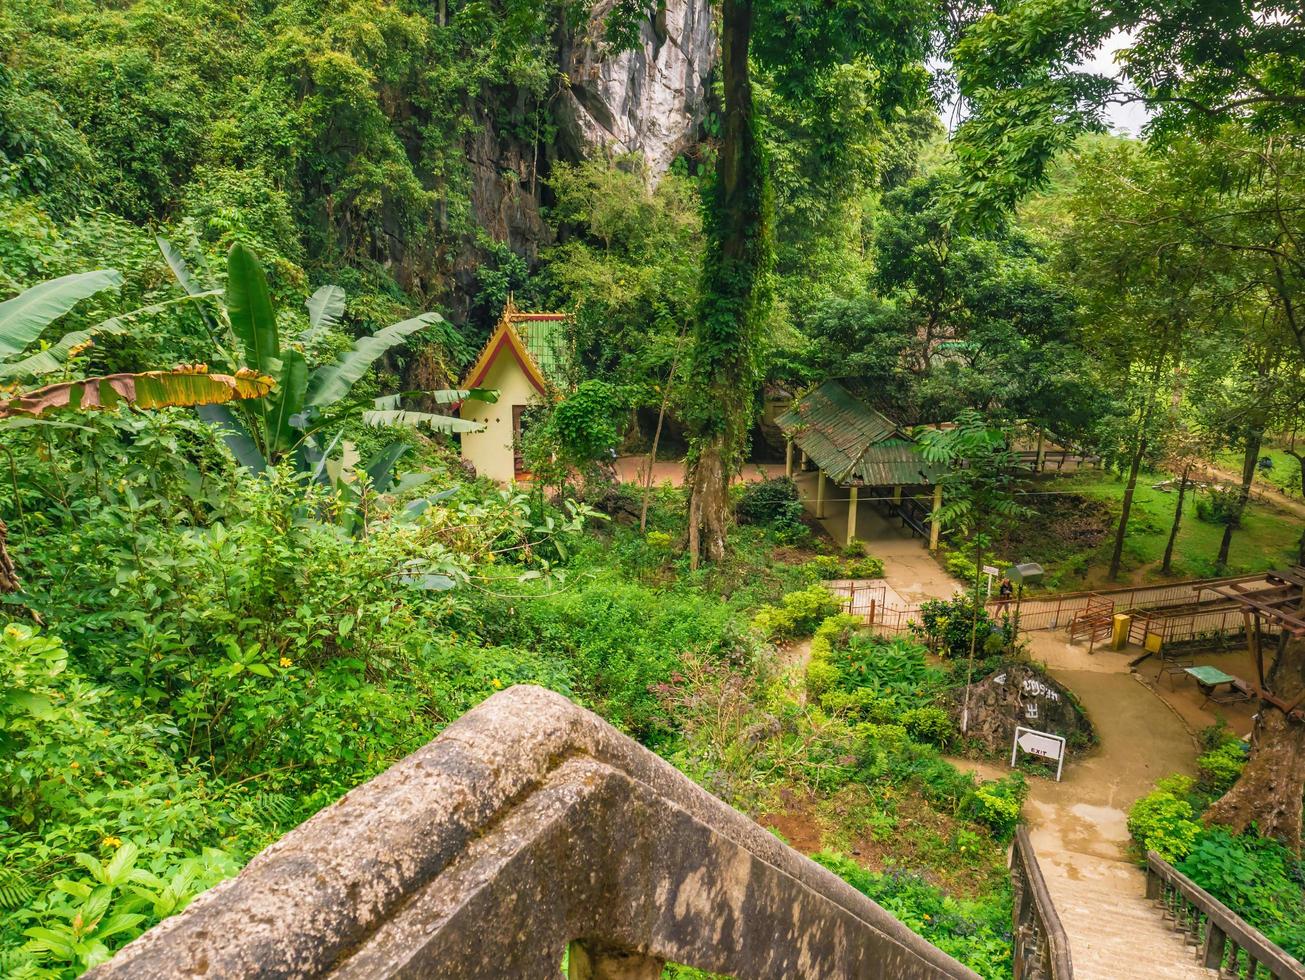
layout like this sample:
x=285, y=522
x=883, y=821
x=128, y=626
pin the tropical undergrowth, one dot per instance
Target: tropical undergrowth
x=1255, y=876
x=200, y=659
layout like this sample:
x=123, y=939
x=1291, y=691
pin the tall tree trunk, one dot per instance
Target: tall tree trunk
x=1300, y=462
x=8, y=575
x=1139, y=451
x=723, y=377
x=657, y=435
x=1166, y=565
x=1254, y=438
x=1117, y=554
x=1268, y=792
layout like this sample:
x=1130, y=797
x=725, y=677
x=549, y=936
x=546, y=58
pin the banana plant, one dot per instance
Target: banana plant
x=25, y=317
x=288, y=423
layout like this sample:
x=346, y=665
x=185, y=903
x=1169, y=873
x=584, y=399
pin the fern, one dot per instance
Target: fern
x=274, y=808
x=23, y=964
x=15, y=890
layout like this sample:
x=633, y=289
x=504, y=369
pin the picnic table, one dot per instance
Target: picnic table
x=1209, y=679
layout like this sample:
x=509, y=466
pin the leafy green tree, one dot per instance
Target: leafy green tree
x=962, y=319
x=979, y=485
x=1196, y=69
x=803, y=44
x=291, y=422
x=628, y=265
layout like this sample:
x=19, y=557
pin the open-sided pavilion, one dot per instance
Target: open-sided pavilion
x=863, y=451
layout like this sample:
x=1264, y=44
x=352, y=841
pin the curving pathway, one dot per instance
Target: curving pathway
x=1079, y=826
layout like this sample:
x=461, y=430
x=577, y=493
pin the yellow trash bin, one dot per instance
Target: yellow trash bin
x=1119, y=635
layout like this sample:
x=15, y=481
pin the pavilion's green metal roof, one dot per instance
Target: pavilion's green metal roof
x=852, y=443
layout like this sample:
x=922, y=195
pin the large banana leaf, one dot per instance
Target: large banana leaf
x=436, y=423
x=25, y=316
x=236, y=436
x=55, y=357
x=249, y=307
x=331, y=383
x=289, y=402
x=440, y=396
x=180, y=271
x=325, y=307
x=149, y=389
x=380, y=468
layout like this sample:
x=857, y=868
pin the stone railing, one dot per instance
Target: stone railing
x=1041, y=946
x=1223, y=941
x=528, y=827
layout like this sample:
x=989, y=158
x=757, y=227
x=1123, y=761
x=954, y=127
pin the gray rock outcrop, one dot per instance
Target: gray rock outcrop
x=648, y=100
x=1018, y=694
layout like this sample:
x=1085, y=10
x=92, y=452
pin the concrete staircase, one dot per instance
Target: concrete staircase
x=1114, y=931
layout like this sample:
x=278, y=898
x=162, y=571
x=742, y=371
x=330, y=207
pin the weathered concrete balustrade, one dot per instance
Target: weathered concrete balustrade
x=528, y=825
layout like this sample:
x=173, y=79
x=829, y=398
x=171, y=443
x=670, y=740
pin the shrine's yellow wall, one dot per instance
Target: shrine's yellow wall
x=490, y=451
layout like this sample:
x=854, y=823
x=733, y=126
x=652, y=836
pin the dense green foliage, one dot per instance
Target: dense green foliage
x=975, y=932
x=1255, y=876
x=216, y=625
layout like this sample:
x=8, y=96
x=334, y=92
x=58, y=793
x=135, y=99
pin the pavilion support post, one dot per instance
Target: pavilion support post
x=820, y=493
x=934, y=526
x=897, y=495
x=1042, y=456
x=851, y=516
x=788, y=458
x=802, y=463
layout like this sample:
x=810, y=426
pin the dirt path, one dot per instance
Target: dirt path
x=1259, y=491
x=630, y=469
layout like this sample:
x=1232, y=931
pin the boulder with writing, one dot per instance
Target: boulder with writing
x=1021, y=695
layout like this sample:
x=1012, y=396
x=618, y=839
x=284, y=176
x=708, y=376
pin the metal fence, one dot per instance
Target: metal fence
x=1179, y=614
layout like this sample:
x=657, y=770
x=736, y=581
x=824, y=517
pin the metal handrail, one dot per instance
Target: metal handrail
x=1226, y=942
x=1041, y=946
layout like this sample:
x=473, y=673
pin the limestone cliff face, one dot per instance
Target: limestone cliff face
x=648, y=100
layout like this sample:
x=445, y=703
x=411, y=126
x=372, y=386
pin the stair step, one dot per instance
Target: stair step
x=1114, y=930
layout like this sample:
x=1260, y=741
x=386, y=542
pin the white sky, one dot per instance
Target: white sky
x=1128, y=118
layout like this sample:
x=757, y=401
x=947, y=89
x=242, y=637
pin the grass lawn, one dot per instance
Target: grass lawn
x=1284, y=476
x=1266, y=539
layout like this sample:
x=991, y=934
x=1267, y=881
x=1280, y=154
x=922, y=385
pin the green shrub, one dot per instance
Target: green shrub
x=946, y=625
x=1218, y=505
x=864, y=566
x=775, y=623
x=863, y=704
x=1164, y=823
x=893, y=666
x=825, y=567
x=976, y=932
x=961, y=566
x=774, y=504
x=1257, y=878
x=821, y=674
x=998, y=804
x=1221, y=766
x=886, y=734
x=820, y=677
x=929, y=724
x=798, y=613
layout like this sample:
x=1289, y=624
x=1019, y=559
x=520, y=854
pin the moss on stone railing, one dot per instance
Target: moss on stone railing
x=528, y=826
